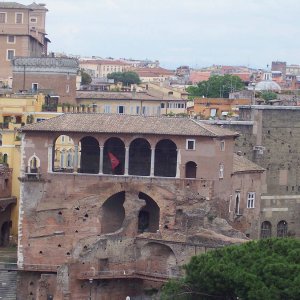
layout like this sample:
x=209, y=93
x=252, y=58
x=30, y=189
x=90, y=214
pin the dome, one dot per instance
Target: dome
x=267, y=85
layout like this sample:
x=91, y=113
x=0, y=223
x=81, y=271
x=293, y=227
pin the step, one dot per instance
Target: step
x=8, y=285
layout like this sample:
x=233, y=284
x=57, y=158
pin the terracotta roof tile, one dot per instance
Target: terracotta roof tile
x=114, y=123
x=242, y=164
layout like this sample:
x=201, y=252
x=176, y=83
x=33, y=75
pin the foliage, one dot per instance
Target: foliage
x=267, y=95
x=217, y=86
x=126, y=78
x=85, y=77
x=29, y=119
x=267, y=269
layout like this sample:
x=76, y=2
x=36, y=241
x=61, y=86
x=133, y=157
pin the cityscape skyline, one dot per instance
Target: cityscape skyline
x=194, y=33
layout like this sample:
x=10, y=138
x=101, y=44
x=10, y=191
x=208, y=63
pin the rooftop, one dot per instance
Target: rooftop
x=242, y=164
x=117, y=123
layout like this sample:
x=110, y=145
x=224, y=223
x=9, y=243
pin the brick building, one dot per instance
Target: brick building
x=136, y=199
x=22, y=33
x=54, y=75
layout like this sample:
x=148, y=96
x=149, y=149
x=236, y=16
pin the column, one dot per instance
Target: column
x=126, y=161
x=101, y=161
x=178, y=164
x=50, y=157
x=152, y=162
x=75, y=162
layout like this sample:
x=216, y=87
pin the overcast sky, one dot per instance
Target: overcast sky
x=177, y=32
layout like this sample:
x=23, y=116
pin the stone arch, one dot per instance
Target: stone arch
x=62, y=144
x=157, y=258
x=148, y=218
x=112, y=213
x=139, y=157
x=114, y=156
x=90, y=155
x=190, y=169
x=266, y=230
x=282, y=228
x=34, y=164
x=165, y=158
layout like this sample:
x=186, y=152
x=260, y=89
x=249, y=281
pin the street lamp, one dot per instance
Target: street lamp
x=91, y=282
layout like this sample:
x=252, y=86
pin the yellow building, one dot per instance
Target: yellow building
x=15, y=111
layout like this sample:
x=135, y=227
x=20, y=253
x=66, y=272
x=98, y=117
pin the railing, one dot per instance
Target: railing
x=28, y=267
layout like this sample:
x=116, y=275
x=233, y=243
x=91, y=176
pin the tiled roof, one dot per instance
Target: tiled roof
x=121, y=96
x=12, y=5
x=242, y=164
x=114, y=123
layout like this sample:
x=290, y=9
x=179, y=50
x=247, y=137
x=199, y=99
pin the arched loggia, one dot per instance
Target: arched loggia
x=90, y=154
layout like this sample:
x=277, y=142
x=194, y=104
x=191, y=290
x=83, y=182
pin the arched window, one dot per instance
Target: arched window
x=90, y=155
x=33, y=165
x=190, y=169
x=148, y=220
x=282, y=229
x=237, y=202
x=114, y=156
x=62, y=147
x=165, y=159
x=139, y=157
x=266, y=230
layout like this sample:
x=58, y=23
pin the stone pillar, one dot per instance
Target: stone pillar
x=178, y=164
x=50, y=158
x=126, y=161
x=101, y=160
x=152, y=162
x=75, y=162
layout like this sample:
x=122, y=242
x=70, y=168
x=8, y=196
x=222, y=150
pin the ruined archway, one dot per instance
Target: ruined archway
x=112, y=213
x=139, y=157
x=266, y=230
x=157, y=258
x=114, y=156
x=62, y=146
x=165, y=158
x=148, y=218
x=190, y=169
x=90, y=155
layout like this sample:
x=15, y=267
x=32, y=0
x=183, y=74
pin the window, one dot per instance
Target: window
x=250, y=200
x=221, y=170
x=121, y=109
x=2, y=17
x=67, y=88
x=62, y=138
x=10, y=54
x=33, y=20
x=40, y=119
x=237, y=202
x=162, y=105
x=222, y=145
x=107, y=109
x=34, y=87
x=19, y=18
x=11, y=39
x=282, y=229
x=145, y=110
x=190, y=144
x=265, y=230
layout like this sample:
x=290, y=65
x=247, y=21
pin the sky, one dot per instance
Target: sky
x=197, y=33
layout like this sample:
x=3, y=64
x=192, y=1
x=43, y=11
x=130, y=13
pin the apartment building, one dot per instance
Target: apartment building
x=22, y=34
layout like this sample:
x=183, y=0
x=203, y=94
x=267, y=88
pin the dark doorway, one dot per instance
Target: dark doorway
x=148, y=220
x=165, y=159
x=139, y=157
x=114, y=157
x=190, y=169
x=5, y=231
x=282, y=229
x=90, y=155
x=266, y=230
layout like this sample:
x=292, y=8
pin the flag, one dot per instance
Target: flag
x=113, y=160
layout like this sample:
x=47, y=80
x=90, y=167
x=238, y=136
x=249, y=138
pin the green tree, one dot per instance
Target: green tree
x=267, y=269
x=85, y=77
x=126, y=78
x=268, y=95
x=217, y=86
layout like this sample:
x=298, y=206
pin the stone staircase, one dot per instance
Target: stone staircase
x=8, y=274
x=8, y=285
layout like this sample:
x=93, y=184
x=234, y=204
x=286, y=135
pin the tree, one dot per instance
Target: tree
x=268, y=95
x=217, y=86
x=126, y=78
x=265, y=269
x=85, y=77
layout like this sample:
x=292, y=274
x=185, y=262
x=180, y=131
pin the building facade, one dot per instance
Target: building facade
x=22, y=34
x=145, y=195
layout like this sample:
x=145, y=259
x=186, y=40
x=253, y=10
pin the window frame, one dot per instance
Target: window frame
x=16, y=17
x=251, y=199
x=107, y=109
x=118, y=109
x=7, y=56
x=222, y=145
x=11, y=35
x=33, y=22
x=187, y=144
x=5, y=17
x=221, y=170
